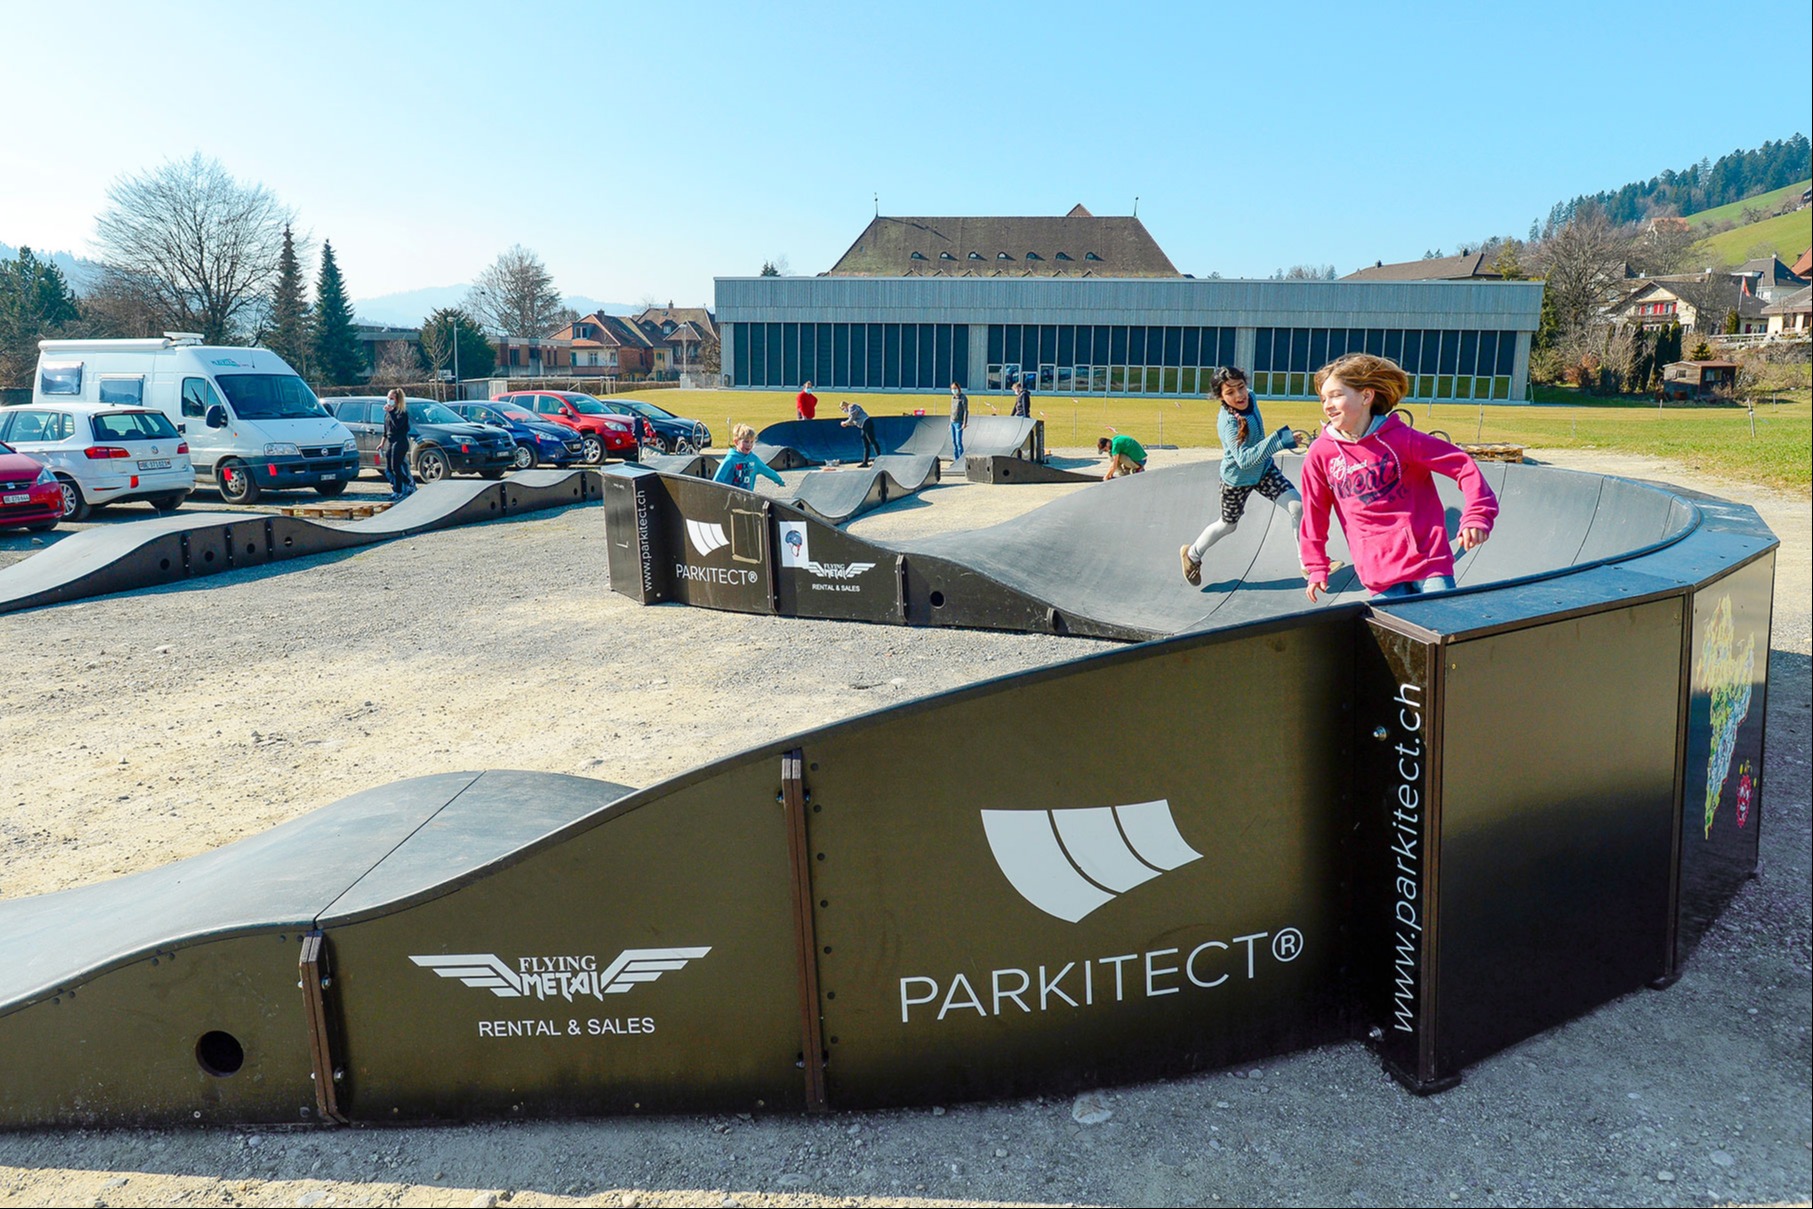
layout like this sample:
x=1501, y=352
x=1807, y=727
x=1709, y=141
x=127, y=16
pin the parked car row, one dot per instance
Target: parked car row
x=112, y=421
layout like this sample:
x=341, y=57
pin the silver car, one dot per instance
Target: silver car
x=103, y=454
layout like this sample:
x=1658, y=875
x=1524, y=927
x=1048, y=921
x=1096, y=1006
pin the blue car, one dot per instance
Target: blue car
x=672, y=434
x=537, y=441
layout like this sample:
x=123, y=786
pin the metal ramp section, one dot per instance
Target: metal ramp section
x=794, y=444
x=921, y=904
x=998, y=468
x=171, y=549
x=840, y=495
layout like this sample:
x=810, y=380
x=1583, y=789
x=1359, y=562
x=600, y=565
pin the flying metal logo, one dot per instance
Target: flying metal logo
x=1069, y=862
x=562, y=977
x=706, y=536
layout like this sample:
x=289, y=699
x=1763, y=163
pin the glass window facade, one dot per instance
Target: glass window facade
x=1441, y=364
x=1081, y=358
x=851, y=356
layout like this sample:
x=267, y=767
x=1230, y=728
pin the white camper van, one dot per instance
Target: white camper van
x=252, y=424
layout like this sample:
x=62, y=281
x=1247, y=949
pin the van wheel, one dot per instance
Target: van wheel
x=75, y=508
x=431, y=465
x=237, y=486
x=169, y=501
x=328, y=491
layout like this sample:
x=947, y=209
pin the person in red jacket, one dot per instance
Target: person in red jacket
x=805, y=404
x=1374, y=470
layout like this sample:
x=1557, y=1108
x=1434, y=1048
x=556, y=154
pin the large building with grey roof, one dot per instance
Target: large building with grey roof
x=1085, y=305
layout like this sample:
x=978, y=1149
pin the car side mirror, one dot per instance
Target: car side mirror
x=217, y=416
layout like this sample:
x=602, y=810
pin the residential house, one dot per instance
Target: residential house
x=1803, y=267
x=680, y=335
x=1770, y=279
x=605, y=346
x=528, y=356
x=1792, y=317
x=1700, y=302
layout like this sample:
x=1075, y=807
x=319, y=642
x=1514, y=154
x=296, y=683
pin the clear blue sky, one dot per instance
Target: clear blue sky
x=641, y=150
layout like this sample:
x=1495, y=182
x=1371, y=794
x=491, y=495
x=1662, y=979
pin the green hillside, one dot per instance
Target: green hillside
x=1787, y=235
x=1734, y=211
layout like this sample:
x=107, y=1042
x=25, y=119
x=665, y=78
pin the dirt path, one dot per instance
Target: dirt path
x=142, y=729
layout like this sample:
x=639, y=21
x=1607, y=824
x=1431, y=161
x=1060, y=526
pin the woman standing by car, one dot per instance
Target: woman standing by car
x=396, y=446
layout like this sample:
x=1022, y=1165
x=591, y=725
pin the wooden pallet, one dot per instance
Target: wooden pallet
x=1495, y=451
x=337, y=511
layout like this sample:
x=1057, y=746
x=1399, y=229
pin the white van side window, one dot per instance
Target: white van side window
x=199, y=395
x=60, y=377
x=123, y=390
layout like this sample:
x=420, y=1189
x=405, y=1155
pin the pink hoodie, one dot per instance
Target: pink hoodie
x=1381, y=489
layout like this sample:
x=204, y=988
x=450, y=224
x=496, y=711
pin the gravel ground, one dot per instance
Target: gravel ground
x=145, y=728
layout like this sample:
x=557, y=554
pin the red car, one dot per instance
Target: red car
x=29, y=493
x=603, y=432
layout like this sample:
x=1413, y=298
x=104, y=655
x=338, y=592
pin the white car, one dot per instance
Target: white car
x=103, y=454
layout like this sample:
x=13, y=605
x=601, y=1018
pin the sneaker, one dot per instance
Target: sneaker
x=1192, y=570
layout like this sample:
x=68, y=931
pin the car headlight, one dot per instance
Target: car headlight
x=45, y=478
x=280, y=448
x=614, y=426
x=351, y=447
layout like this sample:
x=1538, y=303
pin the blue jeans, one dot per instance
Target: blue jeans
x=1416, y=587
x=396, y=469
x=956, y=442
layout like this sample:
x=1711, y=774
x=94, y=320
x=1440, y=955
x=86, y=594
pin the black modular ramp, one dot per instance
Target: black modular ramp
x=1482, y=813
x=171, y=549
x=1001, y=469
x=697, y=465
x=793, y=444
x=839, y=495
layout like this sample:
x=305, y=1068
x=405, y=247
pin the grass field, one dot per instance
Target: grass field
x=1735, y=210
x=1716, y=441
x=1787, y=235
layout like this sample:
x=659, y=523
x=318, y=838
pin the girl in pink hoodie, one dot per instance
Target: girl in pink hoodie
x=1375, y=471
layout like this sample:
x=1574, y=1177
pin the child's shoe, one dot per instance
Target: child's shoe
x=1192, y=570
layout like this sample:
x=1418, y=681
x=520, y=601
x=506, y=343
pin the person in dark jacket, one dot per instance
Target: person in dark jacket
x=855, y=417
x=396, y=446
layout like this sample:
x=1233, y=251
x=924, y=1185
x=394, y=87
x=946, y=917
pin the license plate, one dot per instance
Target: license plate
x=155, y=464
x=328, y=478
x=21, y=498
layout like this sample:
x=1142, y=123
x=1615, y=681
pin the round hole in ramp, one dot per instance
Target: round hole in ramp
x=220, y=1054
x=937, y=600
x=289, y=541
x=163, y=564
x=251, y=548
x=208, y=557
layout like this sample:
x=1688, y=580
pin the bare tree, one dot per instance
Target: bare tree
x=197, y=245
x=398, y=362
x=516, y=296
x=1582, y=265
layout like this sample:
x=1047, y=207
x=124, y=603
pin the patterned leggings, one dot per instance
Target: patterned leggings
x=1233, y=499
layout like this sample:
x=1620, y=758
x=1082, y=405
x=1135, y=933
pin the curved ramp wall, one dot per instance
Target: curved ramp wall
x=171, y=549
x=792, y=444
x=1461, y=820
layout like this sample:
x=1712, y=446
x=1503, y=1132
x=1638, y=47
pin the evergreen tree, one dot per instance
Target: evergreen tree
x=1642, y=361
x=453, y=342
x=335, y=356
x=35, y=302
x=289, y=337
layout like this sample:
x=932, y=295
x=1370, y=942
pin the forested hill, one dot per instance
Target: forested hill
x=1701, y=186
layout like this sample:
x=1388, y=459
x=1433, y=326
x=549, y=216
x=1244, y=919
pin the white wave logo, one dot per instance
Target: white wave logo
x=1069, y=862
x=706, y=537
x=562, y=977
